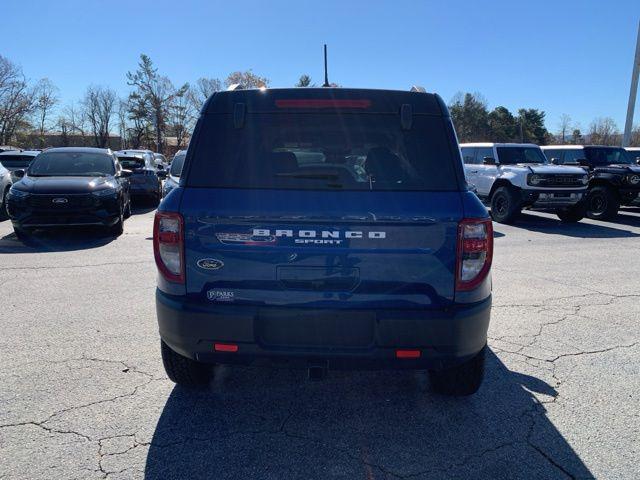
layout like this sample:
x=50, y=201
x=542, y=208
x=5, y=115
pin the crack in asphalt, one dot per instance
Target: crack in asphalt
x=534, y=414
x=43, y=423
x=63, y=267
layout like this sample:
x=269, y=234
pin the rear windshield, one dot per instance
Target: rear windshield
x=514, y=155
x=176, y=165
x=607, y=156
x=323, y=152
x=72, y=164
x=131, y=163
x=16, y=161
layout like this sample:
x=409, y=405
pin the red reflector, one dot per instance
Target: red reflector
x=322, y=103
x=168, y=237
x=225, y=347
x=407, y=353
x=472, y=245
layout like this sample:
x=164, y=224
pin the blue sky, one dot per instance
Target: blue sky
x=572, y=57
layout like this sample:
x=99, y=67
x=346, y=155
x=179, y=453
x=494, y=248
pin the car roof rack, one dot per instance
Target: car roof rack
x=417, y=88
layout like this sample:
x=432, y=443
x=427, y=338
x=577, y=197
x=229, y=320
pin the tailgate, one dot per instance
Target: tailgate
x=321, y=249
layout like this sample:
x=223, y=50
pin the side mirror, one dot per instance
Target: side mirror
x=161, y=174
x=125, y=173
x=18, y=173
x=555, y=161
x=489, y=161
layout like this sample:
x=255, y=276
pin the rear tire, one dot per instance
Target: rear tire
x=183, y=370
x=127, y=212
x=4, y=209
x=461, y=380
x=505, y=206
x=602, y=203
x=24, y=235
x=117, y=228
x=571, y=214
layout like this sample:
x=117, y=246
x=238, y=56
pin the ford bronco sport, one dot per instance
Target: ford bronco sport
x=325, y=228
x=513, y=176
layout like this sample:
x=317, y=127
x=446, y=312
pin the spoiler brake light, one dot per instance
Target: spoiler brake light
x=322, y=103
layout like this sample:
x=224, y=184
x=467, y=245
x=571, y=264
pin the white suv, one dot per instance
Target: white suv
x=512, y=176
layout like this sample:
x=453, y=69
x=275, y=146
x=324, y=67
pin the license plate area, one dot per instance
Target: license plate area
x=315, y=328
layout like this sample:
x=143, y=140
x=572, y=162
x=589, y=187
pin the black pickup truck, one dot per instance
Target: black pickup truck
x=614, y=176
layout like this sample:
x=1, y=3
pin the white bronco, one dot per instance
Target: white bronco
x=510, y=177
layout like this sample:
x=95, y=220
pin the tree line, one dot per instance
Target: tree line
x=156, y=109
x=474, y=122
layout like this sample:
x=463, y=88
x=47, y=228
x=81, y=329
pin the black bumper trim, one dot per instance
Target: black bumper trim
x=445, y=337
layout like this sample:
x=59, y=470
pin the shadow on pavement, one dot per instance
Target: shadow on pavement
x=57, y=240
x=580, y=229
x=269, y=423
x=625, y=217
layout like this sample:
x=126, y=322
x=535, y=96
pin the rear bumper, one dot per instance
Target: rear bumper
x=363, y=339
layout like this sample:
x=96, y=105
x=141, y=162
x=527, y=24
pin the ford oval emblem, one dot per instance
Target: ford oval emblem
x=210, y=263
x=60, y=200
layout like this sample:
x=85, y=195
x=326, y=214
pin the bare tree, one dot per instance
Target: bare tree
x=155, y=92
x=247, y=79
x=603, y=131
x=99, y=106
x=181, y=117
x=565, y=127
x=45, y=99
x=304, y=81
x=17, y=100
x=121, y=113
x=635, y=136
x=202, y=90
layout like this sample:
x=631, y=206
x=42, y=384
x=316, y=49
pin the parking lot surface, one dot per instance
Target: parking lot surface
x=84, y=394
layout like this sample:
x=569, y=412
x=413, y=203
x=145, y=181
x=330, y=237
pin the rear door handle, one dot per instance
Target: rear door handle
x=474, y=171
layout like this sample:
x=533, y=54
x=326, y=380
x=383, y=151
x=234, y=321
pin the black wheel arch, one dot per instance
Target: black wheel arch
x=502, y=182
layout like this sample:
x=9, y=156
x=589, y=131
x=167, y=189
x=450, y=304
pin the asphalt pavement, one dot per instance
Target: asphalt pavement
x=83, y=393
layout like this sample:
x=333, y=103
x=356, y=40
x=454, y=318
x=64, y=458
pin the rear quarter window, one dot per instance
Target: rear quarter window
x=330, y=151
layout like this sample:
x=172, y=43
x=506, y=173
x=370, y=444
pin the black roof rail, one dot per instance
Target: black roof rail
x=417, y=88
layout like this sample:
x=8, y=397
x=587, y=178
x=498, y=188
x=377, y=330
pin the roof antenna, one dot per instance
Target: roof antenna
x=326, y=74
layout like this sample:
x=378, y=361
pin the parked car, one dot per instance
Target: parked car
x=635, y=153
x=70, y=186
x=160, y=161
x=5, y=185
x=10, y=161
x=146, y=181
x=18, y=159
x=614, y=176
x=331, y=227
x=174, y=172
x=511, y=177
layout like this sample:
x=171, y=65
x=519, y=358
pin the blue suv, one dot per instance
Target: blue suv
x=325, y=228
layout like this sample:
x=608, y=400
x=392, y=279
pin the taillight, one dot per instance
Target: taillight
x=475, y=252
x=168, y=234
